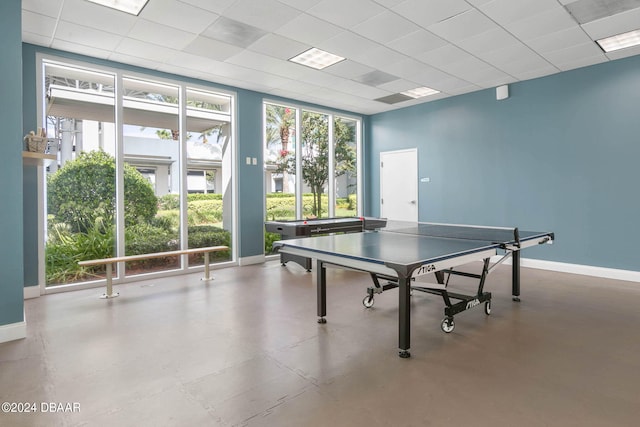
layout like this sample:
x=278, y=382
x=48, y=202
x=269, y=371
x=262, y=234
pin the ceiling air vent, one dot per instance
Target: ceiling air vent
x=585, y=11
x=393, y=99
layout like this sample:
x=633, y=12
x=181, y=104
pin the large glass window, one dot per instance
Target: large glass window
x=143, y=166
x=320, y=150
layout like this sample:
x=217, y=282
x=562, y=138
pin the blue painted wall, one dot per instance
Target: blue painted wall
x=11, y=249
x=560, y=154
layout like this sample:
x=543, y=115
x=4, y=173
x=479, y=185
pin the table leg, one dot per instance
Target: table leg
x=515, y=275
x=321, y=287
x=110, y=293
x=207, y=273
x=404, y=321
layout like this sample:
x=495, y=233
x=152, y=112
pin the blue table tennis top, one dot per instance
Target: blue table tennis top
x=415, y=244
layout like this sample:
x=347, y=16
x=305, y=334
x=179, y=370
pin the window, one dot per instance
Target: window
x=137, y=168
x=321, y=149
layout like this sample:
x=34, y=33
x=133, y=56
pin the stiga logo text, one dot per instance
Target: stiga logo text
x=473, y=303
x=425, y=269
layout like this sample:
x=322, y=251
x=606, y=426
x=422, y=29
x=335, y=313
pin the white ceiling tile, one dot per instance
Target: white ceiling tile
x=349, y=69
x=194, y=62
x=523, y=64
x=504, y=11
x=581, y=62
x=406, y=68
x=233, y=32
x=385, y=27
x=466, y=69
x=298, y=87
x=428, y=12
x=462, y=26
x=160, y=34
x=86, y=36
x=359, y=89
x=213, y=49
x=80, y=49
x=574, y=53
x=38, y=24
x=308, y=29
x=348, y=44
x=265, y=14
x=559, y=40
x=534, y=74
x=379, y=57
x=254, y=60
x=488, y=41
x=431, y=77
x=416, y=42
x=99, y=17
x=216, y=6
x=176, y=14
x=550, y=21
x=133, y=60
x=507, y=54
x=36, y=39
x=454, y=86
x=144, y=50
x=345, y=13
x=477, y=3
x=278, y=46
x=613, y=25
x=495, y=81
x=388, y=3
x=442, y=55
x=49, y=8
x=300, y=4
x=399, y=86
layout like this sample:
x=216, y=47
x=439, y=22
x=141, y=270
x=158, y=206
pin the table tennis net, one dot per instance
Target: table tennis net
x=463, y=232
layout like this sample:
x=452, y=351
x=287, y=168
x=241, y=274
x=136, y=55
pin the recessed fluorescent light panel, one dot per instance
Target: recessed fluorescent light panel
x=316, y=58
x=134, y=7
x=609, y=44
x=419, y=92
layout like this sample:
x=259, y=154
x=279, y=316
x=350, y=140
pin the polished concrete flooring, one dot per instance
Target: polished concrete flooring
x=245, y=350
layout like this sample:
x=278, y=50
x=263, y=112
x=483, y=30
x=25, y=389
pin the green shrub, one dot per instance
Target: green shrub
x=84, y=190
x=203, y=212
x=65, y=248
x=269, y=238
x=168, y=202
x=202, y=236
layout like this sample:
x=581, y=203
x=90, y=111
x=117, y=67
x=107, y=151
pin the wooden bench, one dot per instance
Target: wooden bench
x=110, y=261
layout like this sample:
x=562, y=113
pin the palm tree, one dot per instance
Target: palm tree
x=280, y=124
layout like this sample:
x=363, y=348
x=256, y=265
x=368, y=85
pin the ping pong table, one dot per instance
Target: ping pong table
x=402, y=253
x=319, y=226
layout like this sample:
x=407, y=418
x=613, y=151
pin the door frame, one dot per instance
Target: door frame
x=413, y=150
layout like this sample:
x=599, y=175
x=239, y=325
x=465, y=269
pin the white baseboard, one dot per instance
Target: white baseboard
x=256, y=259
x=13, y=331
x=586, y=270
x=31, y=292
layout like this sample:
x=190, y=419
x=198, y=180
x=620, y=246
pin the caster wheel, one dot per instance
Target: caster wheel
x=447, y=325
x=516, y=299
x=368, y=301
x=487, y=308
x=404, y=354
x=322, y=320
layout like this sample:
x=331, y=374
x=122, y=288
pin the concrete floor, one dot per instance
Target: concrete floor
x=246, y=350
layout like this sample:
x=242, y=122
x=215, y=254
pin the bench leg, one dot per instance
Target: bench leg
x=207, y=275
x=109, y=293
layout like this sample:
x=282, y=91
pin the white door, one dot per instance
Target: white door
x=399, y=185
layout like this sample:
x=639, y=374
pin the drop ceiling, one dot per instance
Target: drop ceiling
x=453, y=46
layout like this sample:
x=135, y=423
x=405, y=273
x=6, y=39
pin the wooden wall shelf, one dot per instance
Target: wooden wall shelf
x=30, y=158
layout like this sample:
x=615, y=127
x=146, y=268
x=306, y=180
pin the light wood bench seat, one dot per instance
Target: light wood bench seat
x=108, y=262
